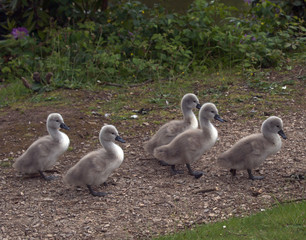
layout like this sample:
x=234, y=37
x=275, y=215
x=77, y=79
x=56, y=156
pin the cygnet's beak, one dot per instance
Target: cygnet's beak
x=282, y=134
x=198, y=106
x=217, y=117
x=118, y=138
x=64, y=126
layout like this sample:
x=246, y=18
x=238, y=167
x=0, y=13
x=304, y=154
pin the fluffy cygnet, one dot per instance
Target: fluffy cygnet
x=190, y=145
x=95, y=167
x=44, y=152
x=249, y=152
x=171, y=129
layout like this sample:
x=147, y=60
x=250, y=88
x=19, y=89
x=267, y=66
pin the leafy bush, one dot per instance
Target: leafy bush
x=38, y=15
x=131, y=43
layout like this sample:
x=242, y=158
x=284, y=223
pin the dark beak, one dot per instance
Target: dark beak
x=118, y=138
x=198, y=106
x=64, y=126
x=282, y=134
x=217, y=117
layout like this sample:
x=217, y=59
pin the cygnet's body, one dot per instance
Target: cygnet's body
x=95, y=167
x=249, y=152
x=190, y=145
x=171, y=129
x=44, y=152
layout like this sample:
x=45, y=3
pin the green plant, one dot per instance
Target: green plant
x=281, y=222
x=130, y=43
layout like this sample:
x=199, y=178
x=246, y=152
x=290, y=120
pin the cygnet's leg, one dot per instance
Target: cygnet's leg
x=196, y=174
x=174, y=171
x=96, y=194
x=163, y=163
x=47, y=178
x=251, y=176
x=233, y=172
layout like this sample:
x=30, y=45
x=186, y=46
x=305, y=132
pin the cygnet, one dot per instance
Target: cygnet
x=249, y=152
x=171, y=129
x=190, y=145
x=44, y=152
x=95, y=167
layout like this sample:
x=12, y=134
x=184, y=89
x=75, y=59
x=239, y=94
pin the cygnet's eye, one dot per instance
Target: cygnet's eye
x=57, y=120
x=277, y=126
x=212, y=111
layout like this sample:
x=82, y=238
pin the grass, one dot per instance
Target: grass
x=247, y=95
x=12, y=92
x=285, y=221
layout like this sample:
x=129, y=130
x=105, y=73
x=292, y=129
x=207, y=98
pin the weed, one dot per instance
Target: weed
x=5, y=164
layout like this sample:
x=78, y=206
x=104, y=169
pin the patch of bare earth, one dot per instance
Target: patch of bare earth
x=145, y=200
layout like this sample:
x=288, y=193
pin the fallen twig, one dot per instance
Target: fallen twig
x=131, y=85
x=205, y=190
x=237, y=234
x=146, y=158
x=166, y=202
x=197, y=221
x=288, y=201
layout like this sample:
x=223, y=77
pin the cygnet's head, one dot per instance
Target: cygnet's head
x=190, y=101
x=209, y=111
x=56, y=121
x=109, y=133
x=273, y=125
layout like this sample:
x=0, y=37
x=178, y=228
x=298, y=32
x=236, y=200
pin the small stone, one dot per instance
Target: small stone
x=48, y=199
x=266, y=196
x=156, y=219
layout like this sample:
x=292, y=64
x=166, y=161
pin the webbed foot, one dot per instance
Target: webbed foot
x=174, y=171
x=251, y=176
x=233, y=172
x=47, y=178
x=96, y=194
x=196, y=174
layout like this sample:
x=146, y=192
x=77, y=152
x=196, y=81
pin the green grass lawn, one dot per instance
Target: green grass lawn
x=286, y=221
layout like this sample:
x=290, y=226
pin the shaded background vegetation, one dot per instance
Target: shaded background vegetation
x=84, y=43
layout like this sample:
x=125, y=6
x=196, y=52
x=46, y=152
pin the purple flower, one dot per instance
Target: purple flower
x=20, y=32
x=253, y=39
x=248, y=1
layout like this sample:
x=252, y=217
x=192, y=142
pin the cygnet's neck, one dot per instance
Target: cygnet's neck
x=55, y=134
x=114, y=149
x=190, y=117
x=206, y=125
x=272, y=137
x=108, y=145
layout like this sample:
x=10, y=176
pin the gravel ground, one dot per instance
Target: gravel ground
x=145, y=200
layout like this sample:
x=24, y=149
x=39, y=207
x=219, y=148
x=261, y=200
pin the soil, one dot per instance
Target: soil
x=145, y=200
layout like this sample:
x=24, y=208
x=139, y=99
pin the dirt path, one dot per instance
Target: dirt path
x=146, y=200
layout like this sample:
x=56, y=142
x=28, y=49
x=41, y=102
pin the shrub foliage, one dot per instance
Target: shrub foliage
x=83, y=44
